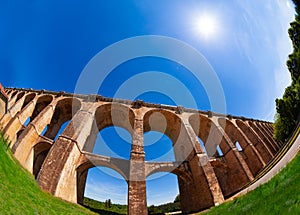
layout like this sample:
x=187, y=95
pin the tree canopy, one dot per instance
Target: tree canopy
x=288, y=107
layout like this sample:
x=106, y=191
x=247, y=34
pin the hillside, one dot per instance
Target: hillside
x=20, y=193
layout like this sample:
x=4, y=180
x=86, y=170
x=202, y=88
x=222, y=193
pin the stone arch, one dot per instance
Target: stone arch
x=42, y=102
x=106, y=115
x=64, y=110
x=168, y=167
x=41, y=150
x=82, y=171
x=270, y=126
x=12, y=98
x=249, y=154
x=23, y=149
x=26, y=119
x=86, y=164
x=229, y=171
x=19, y=95
x=258, y=143
x=10, y=111
x=20, y=132
x=21, y=114
x=7, y=91
x=115, y=114
x=12, y=103
x=202, y=127
x=274, y=144
x=13, y=94
x=28, y=99
x=265, y=125
x=171, y=125
x=263, y=137
x=163, y=121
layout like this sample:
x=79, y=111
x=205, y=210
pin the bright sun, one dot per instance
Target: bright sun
x=206, y=25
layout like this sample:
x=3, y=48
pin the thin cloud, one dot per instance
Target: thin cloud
x=104, y=190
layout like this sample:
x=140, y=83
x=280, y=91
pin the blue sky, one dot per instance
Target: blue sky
x=46, y=45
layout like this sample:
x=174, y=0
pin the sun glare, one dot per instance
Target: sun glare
x=206, y=25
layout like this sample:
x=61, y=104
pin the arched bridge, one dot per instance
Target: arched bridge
x=236, y=148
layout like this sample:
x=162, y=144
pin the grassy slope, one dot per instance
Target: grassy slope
x=20, y=194
x=281, y=195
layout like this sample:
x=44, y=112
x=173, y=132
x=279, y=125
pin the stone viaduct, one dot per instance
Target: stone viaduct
x=206, y=176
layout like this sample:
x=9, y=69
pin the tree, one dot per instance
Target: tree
x=177, y=198
x=108, y=203
x=288, y=107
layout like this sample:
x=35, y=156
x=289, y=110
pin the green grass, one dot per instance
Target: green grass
x=281, y=195
x=20, y=194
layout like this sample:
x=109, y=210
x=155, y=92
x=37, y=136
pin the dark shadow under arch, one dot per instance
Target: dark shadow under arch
x=41, y=151
x=19, y=96
x=28, y=99
x=256, y=141
x=64, y=110
x=42, y=102
x=243, y=146
x=227, y=169
x=13, y=94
